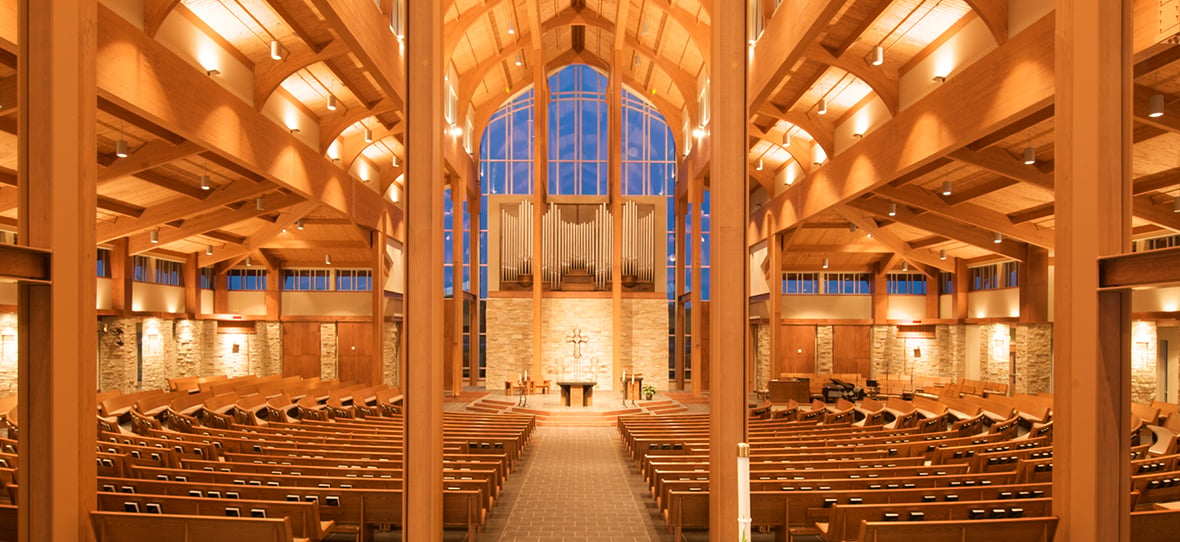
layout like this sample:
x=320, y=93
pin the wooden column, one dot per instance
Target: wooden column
x=696, y=193
x=774, y=281
x=932, y=298
x=961, y=284
x=729, y=294
x=274, y=292
x=1091, y=369
x=377, y=257
x=192, y=285
x=476, y=208
x=880, y=295
x=458, y=194
x=424, y=281
x=680, y=210
x=614, y=104
x=121, y=274
x=221, y=289
x=56, y=205
x=1034, y=286
x=540, y=187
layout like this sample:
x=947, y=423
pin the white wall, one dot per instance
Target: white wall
x=247, y=303
x=868, y=118
x=971, y=369
x=828, y=307
x=946, y=306
x=1003, y=303
x=396, y=282
x=131, y=10
x=907, y=307
x=1156, y=300
x=971, y=43
x=103, y=299
x=158, y=298
x=206, y=301
x=1024, y=13
x=1169, y=372
x=190, y=43
x=327, y=304
x=758, y=255
x=8, y=292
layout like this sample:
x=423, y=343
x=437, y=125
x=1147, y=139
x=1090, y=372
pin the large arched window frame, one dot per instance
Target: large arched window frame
x=578, y=131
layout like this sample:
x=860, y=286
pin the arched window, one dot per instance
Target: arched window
x=578, y=132
x=506, y=149
x=649, y=151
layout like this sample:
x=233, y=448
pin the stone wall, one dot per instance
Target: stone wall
x=1144, y=361
x=994, y=348
x=392, y=354
x=824, y=349
x=893, y=356
x=761, y=356
x=559, y=318
x=329, y=360
x=645, y=340
x=509, y=347
x=158, y=353
x=8, y=353
x=1034, y=358
x=117, y=363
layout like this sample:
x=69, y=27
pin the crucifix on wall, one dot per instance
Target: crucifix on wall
x=577, y=340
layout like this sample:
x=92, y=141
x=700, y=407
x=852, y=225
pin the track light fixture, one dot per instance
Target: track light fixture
x=1030, y=155
x=787, y=138
x=892, y=209
x=259, y=204
x=825, y=263
x=368, y=135
x=331, y=102
x=213, y=72
x=858, y=135
x=1155, y=106
x=852, y=228
x=942, y=254
x=511, y=30
x=878, y=56
x=206, y=182
x=999, y=238
x=905, y=266
x=154, y=236
x=299, y=224
x=519, y=60
x=938, y=78
x=249, y=262
x=122, y=148
x=758, y=167
x=327, y=259
x=946, y=188
x=276, y=50
x=208, y=250
x=822, y=108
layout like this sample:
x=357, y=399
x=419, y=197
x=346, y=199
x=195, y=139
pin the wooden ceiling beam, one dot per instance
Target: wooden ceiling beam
x=975, y=215
x=175, y=185
x=200, y=225
x=1157, y=181
x=892, y=242
x=366, y=31
x=8, y=92
x=312, y=244
x=1015, y=127
x=154, y=13
x=260, y=238
x=150, y=156
x=1160, y=215
x=283, y=12
x=1001, y=163
x=1038, y=212
x=884, y=86
x=958, y=231
x=1168, y=121
x=225, y=237
x=119, y=207
x=928, y=241
x=994, y=14
x=876, y=10
x=243, y=172
x=787, y=35
x=818, y=129
x=458, y=27
x=270, y=76
x=698, y=31
x=852, y=248
x=981, y=189
x=177, y=209
x=1156, y=60
x=139, y=121
x=8, y=176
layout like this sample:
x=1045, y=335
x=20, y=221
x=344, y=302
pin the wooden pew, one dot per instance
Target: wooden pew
x=1155, y=525
x=1023, y=529
x=844, y=523
x=304, y=516
x=128, y=527
x=8, y=520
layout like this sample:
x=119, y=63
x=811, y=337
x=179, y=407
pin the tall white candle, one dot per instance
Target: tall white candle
x=743, y=467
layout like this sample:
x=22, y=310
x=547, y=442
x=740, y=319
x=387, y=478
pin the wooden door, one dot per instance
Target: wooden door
x=355, y=352
x=301, y=349
x=798, y=355
x=851, y=349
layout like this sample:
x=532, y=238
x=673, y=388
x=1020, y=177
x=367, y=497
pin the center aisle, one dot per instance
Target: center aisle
x=575, y=484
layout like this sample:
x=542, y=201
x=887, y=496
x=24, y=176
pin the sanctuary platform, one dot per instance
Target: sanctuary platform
x=549, y=410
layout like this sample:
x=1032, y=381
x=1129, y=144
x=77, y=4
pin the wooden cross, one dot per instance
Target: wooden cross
x=577, y=339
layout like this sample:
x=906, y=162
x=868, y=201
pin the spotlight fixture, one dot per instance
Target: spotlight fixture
x=327, y=259
x=206, y=182
x=395, y=162
x=878, y=56
x=939, y=78
x=1030, y=155
x=214, y=72
x=942, y=254
x=852, y=228
x=331, y=102
x=787, y=138
x=249, y=262
x=519, y=60
x=946, y=188
x=822, y=108
x=276, y=50
x=208, y=250
x=892, y=209
x=1176, y=205
x=368, y=135
x=122, y=148
x=154, y=236
x=1155, y=106
x=299, y=224
x=259, y=204
x=905, y=267
x=999, y=238
x=294, y=130
x=858, y=135
x=759, y=166
x=825, y=263
x=511, y=30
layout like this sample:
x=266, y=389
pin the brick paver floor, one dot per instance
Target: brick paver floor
x=575, y=484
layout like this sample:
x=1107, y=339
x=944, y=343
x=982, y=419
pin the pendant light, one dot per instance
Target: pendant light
x=276, y=50
x=878, y=56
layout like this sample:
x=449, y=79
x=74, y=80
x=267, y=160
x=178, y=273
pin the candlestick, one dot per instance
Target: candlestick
x=743, y=467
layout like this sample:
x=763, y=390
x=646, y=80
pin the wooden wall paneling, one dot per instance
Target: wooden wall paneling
x=799, y=342
x=354, y=348
x=450, y=361
x=301, y=349
x=57, y=335
x=851, y=349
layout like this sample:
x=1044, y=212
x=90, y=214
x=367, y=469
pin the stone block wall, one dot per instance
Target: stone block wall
x=824, y=349
x=645, y=340
x=892, y=355
x=329, y=359
x=118, y=363
x=8, y=353
x=994, y=345
x=761, y=356
x=1144, y=361
x=559, y=318
x=509, y=347
x=158, y=352
x=1034, y=358
x=391, y=354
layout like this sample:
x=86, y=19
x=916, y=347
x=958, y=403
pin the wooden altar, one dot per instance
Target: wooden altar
x=577, y=394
